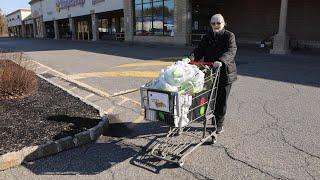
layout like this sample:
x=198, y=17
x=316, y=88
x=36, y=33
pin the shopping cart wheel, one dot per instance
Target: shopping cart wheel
x=181, y=163
x=213, y=140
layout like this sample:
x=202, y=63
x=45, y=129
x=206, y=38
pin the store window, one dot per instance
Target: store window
x=113, y=26
x=121, y=24
x=154, y=17
x=103, y=26
x=83, y=30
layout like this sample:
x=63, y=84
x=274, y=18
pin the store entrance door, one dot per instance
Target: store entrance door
x=202, y=10
x=83, y=30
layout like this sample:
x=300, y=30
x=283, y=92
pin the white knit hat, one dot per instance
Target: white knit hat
x=217, y=18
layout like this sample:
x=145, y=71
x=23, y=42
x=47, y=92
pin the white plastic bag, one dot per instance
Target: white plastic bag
x=198, y=81
x=180, y=76
x=183, y=120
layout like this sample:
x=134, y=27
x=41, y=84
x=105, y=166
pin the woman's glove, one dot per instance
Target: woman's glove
x=217, y=64
x=191, y=57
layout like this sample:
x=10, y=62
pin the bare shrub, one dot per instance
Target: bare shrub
x=16, y=78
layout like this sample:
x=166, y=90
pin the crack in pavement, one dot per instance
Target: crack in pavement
x=272, y=125
x=280, y=130
x=310, y=175
x=306, y=169
x=295, y=147
x=226, y=150
x=196, y=175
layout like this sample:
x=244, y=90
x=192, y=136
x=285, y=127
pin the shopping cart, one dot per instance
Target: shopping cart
x=179, y=142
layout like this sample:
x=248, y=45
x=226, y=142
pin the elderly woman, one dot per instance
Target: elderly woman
x=219, y=46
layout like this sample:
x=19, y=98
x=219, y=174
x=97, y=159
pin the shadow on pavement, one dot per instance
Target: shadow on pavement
x=74, y=124
x=293, y=68
x=88, y=160
x=147, y=162
x=94, y=158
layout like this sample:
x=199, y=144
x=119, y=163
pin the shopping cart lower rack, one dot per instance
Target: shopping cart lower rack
x=179, y=142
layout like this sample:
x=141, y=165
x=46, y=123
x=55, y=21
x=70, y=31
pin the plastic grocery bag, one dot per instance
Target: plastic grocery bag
x=161, y=84
x=198, y=81
x=186, y=102
x=180, y=76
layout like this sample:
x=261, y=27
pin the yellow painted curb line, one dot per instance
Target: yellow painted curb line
x=154, y=63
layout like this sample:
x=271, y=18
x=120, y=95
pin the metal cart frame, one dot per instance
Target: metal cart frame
x=180, y=142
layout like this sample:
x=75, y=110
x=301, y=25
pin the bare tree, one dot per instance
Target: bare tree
x=3, y=24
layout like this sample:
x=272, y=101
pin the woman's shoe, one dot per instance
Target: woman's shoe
x=219, y=130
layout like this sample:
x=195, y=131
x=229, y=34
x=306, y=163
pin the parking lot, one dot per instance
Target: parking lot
x=272, y=124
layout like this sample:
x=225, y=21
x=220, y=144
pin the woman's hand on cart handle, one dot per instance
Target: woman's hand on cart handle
x=191, y=57
x=217, y=64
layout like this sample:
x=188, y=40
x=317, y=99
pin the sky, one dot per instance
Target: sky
x=9, y=6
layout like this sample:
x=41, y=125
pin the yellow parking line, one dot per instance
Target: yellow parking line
x=154, y=63
x=141, y=74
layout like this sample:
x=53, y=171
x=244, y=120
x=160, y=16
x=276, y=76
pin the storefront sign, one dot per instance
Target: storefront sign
x=66, y=4
x=94, y=2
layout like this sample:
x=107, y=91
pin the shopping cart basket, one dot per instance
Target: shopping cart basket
x=179, y=142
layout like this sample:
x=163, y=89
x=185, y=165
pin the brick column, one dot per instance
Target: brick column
x=72, y=28
x=23, y=29
x=95, y=26
x=128, y=20
x=281, y=40
x=182, y=21
x=56, y=29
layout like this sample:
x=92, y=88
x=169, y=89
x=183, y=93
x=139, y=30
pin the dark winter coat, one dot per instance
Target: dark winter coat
x=219, y=47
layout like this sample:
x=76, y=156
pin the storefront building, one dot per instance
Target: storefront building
x=19, y=23
x=288, y=22
x=79, y=19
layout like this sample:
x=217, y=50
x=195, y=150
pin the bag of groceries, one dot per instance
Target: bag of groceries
x=181, y=77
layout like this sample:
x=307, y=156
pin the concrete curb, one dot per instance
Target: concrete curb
x=32, y=153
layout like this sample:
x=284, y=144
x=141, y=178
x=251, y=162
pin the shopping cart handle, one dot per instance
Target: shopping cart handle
x=205, y=63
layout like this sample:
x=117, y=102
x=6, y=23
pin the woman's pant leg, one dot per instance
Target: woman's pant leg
x=221, y=103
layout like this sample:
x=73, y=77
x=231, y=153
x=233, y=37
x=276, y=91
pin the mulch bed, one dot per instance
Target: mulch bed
x=48, y=114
